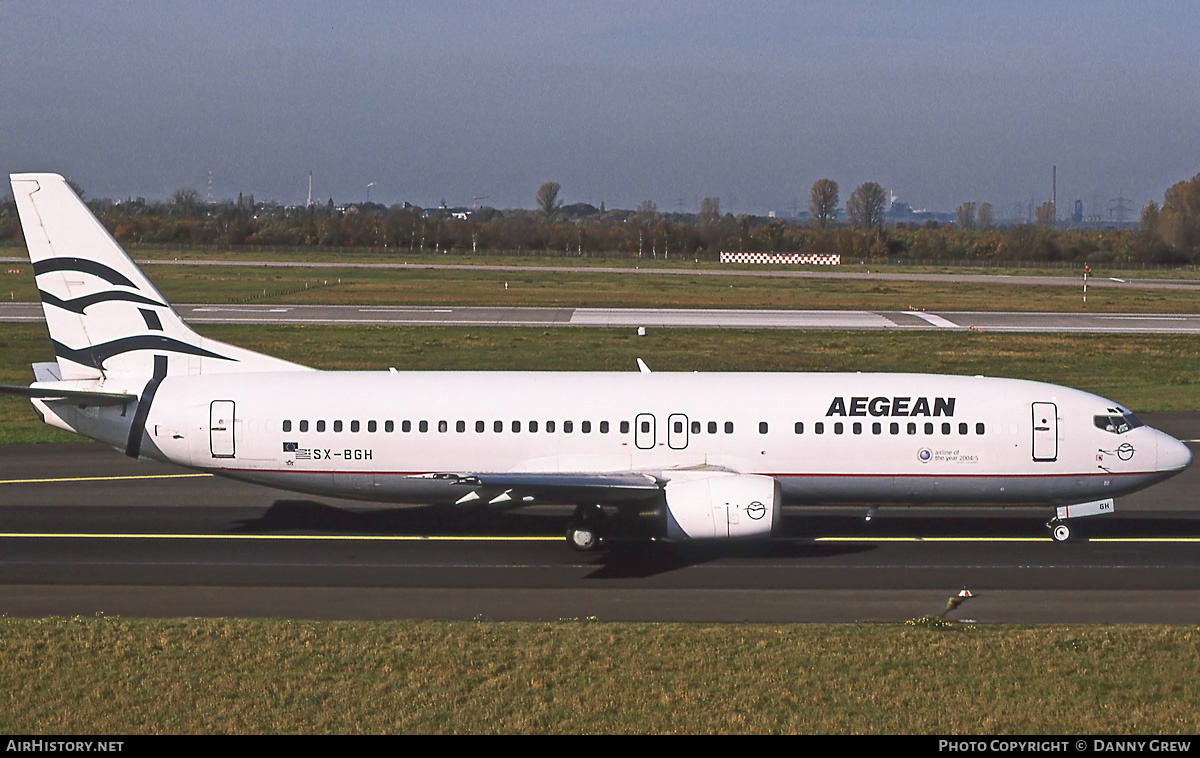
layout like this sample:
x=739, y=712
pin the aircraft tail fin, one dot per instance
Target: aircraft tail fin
x=106, y=319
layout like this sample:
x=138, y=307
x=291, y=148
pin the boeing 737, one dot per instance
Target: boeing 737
x=698, y=456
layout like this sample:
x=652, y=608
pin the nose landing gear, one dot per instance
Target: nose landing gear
x=1059, y=531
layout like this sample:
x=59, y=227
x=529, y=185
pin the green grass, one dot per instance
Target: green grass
x=130, y=676
x=221, y=284
x=1143, y=372
x=558, y=259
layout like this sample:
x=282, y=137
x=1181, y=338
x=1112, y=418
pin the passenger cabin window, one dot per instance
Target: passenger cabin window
x=304, y=426
x=819, y=427
x=585, y=427
x=389, y=426
x=799, y=427
x=480, y=426
x=498, y=426
x=533, y=426
x=287, y=426
x=354, y=426
x=423, y=427
x=762, y=427
x=712, y=427
x=549, y=426
x=372, y=426
x=443, y=426
x=406, y=426
x=337, y=426
x=729, y=427
x=460, y=426
x=320, y=426
x=604, y=427
x=568, y=427
x=624, y=427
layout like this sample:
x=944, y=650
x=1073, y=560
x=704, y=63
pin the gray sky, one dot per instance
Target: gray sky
x=618, y=101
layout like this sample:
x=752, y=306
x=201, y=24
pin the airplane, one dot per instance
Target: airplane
x=707, y=457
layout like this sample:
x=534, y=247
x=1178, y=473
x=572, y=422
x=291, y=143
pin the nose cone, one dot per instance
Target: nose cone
x=1173, y=455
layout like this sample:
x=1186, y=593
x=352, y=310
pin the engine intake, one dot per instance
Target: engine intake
x=722, y=507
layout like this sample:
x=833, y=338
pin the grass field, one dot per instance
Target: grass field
x=129, y=676
x=300, y=285
x=558, y=259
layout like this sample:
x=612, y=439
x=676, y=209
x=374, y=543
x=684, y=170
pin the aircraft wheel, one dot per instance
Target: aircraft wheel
x=583, y=530
x=1060, y=532
x=583, y=538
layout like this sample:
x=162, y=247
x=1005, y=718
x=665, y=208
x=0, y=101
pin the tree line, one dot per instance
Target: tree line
x=1169, y=233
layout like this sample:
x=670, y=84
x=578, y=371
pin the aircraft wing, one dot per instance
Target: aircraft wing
x=519, y=488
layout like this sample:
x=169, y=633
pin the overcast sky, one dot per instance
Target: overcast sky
x=619, y=102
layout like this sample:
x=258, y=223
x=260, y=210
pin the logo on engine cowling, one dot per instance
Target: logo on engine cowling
x=756, y=510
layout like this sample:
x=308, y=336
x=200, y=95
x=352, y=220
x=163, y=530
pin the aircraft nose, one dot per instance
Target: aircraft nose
x=1173, y=455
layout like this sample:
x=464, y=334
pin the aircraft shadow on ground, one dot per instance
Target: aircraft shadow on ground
x=441, y=520
x=638, y=560
x=430, y=520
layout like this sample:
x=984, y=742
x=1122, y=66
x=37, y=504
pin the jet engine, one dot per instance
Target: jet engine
x=722, y=507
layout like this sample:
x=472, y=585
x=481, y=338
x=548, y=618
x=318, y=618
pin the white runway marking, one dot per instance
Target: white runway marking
x=935, y=319
x=405, y=310
x=239, y=310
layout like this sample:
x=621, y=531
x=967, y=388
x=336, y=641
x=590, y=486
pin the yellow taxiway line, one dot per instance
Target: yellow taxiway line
x=101, y=478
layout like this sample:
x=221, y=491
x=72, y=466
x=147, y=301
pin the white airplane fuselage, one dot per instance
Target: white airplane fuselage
x=826, y=438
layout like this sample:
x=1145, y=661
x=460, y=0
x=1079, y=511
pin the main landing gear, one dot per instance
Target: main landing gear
x=1059, y=530
x=584, y=528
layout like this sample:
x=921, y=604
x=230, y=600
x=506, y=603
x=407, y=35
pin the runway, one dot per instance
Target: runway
x=85, y=530
x=667, y=318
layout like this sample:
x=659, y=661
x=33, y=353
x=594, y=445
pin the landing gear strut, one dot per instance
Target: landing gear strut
x=583, y=530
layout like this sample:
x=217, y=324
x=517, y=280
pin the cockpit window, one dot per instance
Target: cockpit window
x=1117, y=423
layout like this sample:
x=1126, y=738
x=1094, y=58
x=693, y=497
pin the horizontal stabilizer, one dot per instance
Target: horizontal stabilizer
x=83, y=397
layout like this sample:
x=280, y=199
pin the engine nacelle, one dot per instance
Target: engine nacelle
x=722, y=507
